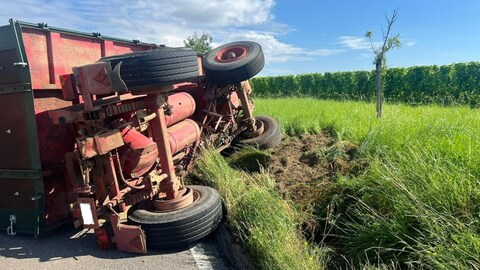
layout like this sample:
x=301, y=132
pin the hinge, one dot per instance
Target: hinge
x=13, y=220
x=20, y=64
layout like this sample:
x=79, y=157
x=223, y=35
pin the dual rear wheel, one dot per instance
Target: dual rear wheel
x=183, y=226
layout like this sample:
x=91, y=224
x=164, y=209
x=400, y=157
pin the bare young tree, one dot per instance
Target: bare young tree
x=389, y=42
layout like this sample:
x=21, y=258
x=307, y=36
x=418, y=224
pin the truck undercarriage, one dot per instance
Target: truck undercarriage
x=103, y=131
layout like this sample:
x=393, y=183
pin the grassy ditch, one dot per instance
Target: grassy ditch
x=264, y=223
x=417, y=205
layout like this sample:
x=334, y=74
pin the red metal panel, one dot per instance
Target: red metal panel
x=49, y=103
x=72, y=51
x=35, y=42
x=54, y=140
x=56, y=203
x=49, y=135
x=107, y=48
x=69, y=88
x=52, y=54
x=121, y=48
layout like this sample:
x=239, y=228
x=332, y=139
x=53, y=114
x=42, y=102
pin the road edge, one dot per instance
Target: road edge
x=236, y=254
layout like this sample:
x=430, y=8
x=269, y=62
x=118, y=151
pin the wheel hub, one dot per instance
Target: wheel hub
x=259, y=129
x=185, y=198
x=231, y=54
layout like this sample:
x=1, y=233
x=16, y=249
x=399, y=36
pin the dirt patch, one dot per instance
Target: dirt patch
x=306, y=168
x=299, y=167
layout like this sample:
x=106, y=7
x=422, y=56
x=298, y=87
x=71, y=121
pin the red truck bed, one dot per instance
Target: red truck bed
x=32, y=56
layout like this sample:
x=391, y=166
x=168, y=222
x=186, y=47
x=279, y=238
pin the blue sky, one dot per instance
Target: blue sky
x=297, y=36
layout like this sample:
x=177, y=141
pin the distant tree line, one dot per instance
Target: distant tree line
x=455, y=84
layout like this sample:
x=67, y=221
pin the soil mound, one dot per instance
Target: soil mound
x=305, y=169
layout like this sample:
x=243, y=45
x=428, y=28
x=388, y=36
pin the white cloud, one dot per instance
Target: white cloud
x=57, y=13
x=362, y=43
x=355, y=43
x=325, y=52
x=142, y=16
x=170, y=22
x=276, y=51
x=190, y=14
x=410, y=43
x=222, y=12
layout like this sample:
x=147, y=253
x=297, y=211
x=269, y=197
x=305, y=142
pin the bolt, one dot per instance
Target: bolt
x=231, y=55
x=62, y=120
x=168, y=110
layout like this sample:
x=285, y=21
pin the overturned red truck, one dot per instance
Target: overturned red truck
x=102, y=131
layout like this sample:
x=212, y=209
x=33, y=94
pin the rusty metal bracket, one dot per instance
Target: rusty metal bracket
x=247, y=112
x=171, y=184
x=129, y=238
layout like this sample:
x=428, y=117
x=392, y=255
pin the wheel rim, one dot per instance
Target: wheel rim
x=261, y=127
x=231, y=54
x=186, y=197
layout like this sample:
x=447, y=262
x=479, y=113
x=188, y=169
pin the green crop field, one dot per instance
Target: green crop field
x=416, y=204
x=419, y=202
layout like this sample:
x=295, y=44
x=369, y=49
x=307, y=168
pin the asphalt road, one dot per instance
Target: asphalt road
x=72, y=249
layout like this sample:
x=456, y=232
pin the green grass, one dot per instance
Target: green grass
x=418, y=205
x=265, y=224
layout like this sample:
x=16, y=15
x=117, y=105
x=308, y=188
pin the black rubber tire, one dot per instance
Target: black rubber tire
x=271, y=136
x=237, y=70
x=179, y=228
x=155, y=68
